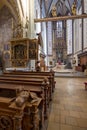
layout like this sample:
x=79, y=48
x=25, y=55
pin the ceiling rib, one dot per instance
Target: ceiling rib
x=49, y=8
x=61, y=18
x=69, y=6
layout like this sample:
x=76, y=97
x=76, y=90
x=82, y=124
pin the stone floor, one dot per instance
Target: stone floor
x=69, y=105
x=70, y=74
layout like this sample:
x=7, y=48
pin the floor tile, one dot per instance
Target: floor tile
x=82, y=122
x=69, y=105
x=66, y=127
x=71, y=121
x=53, y=126
x=78, y=128
x=75, y=114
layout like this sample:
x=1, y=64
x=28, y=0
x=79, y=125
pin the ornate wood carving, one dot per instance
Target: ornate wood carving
x=14, y=116
x=22, y=50
x=61, y=18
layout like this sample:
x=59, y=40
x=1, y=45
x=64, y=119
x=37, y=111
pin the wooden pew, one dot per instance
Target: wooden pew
x=30, y=84
x=18, y=112
x=85, y=85
x=50, y=74
x=32, y=80
x=45, y=78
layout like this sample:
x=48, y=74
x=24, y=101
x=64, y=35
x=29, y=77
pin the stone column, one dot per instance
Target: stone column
x=31, y=19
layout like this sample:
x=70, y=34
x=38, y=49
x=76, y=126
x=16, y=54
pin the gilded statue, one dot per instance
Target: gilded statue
x=73, y=8
x=54, y=12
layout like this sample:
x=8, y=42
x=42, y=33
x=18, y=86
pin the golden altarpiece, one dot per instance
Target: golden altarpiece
x=23, y=50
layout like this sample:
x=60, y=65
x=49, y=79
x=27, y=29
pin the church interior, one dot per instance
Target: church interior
x=43, y=64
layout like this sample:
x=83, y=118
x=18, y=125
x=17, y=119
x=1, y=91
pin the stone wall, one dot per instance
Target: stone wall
x=5, y=34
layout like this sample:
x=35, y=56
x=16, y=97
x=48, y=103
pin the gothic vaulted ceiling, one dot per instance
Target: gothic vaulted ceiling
x=11, y=5
x=63, y=7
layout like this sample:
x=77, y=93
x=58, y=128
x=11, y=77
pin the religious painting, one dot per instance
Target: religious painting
x=33, y=47
x=20, y=51
x=23, y=50
x=32, y=54
x=19, y=56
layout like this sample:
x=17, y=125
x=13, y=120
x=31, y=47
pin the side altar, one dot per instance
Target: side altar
x=22, y=51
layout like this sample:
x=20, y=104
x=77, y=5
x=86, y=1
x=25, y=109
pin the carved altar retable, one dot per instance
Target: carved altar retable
x=23, y=50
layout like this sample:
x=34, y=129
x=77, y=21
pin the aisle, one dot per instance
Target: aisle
x=74, y=75
x=69, y=105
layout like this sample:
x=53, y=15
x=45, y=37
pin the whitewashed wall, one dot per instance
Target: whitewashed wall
x=80, y=30
x=49, y=32
x=37, y=26
x=78, y=33
x=85, y=25
x=69, y=36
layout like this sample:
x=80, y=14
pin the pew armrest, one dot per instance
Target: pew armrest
x=85, y=85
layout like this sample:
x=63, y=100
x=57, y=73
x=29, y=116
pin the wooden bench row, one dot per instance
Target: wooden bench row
x=41, y=83
x=33, y=73
x=36, y=85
